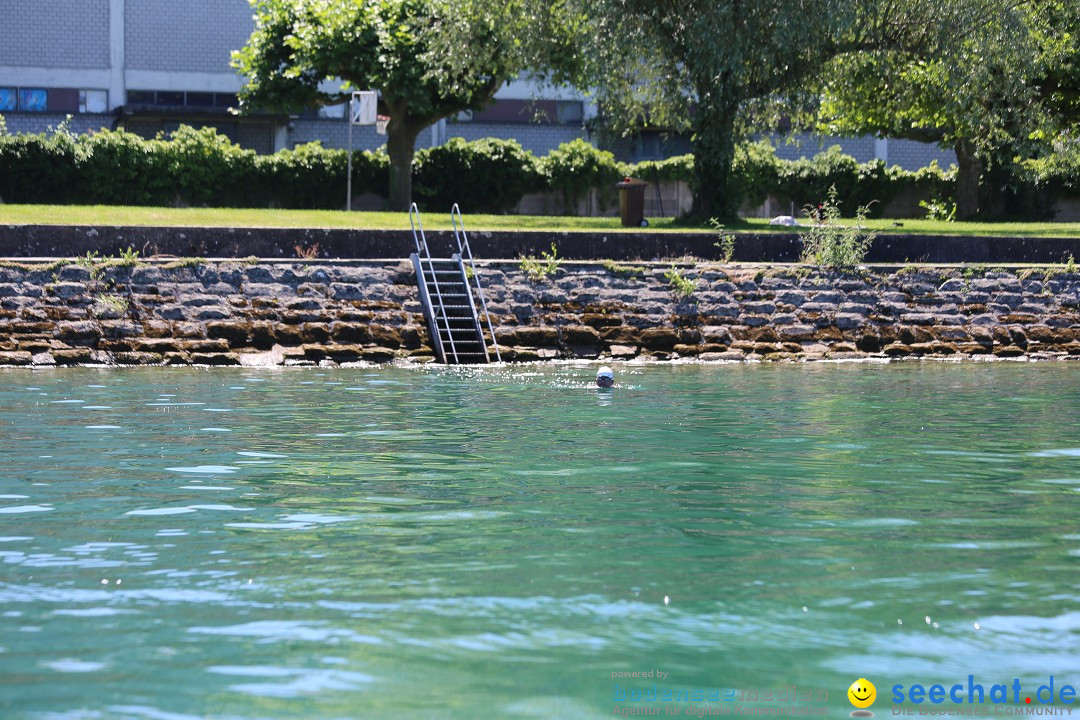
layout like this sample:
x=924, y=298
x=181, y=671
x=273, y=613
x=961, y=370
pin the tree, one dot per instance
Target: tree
x=701, y=65
x=975, y=86
x=694, y=64
x=429, y=59
x=1055, y=27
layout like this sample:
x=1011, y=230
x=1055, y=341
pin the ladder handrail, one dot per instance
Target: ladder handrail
x=422, y=247
x=466, y=252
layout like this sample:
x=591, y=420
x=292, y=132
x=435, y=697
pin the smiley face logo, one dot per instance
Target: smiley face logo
x=862, y=694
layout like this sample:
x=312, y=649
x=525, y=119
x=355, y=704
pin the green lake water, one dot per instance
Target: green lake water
x=178, y=544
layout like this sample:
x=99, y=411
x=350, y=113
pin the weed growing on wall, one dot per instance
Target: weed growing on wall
x=726, y=241
x=682, y=287
x=109, y=306
x=829, y=242
x=539, y=270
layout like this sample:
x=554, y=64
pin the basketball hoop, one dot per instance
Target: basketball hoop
x=380, y=124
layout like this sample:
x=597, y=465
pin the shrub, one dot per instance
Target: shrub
x=202, y=167
x=39, y=168
x=756, y=169
x=680, y=167
x=312, y=177
x=1058, y=170
x=807, y=180
x=483, y=176
x=121, y=168
x=308, y=177
x=576, y=167
x=206, y=168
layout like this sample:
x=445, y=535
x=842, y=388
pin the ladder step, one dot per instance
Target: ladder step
x=450, y=309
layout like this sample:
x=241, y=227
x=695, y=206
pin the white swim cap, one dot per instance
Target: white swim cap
x=605, y=371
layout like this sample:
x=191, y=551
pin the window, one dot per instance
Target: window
x=177, y=99
x=648, y=146
x=570, y=112
x=332, y=111
x=140, y=97
x=200, y=99
x=172, y=99
x=226, y=100
x=9, y=99
x=93, y=101
x=33, y=99
x=64, y=100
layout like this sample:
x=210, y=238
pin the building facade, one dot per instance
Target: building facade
x=149, y=66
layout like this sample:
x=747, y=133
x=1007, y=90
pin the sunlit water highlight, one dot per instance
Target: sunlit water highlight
x=180, y=544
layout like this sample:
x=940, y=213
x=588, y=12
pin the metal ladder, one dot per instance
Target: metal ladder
x=447, y=300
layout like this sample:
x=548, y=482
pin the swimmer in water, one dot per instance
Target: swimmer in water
x=605, y=378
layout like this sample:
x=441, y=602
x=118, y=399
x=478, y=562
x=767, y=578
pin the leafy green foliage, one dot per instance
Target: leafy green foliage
x=120, y=168
x=408, y=50
x=201, y=168
x=829, y=242
x=937, y=209
x=202, y=164
x=651, y=62
x=679, y=167
x=726, y=241
x=488, y=176
x=109, y=305
x=576, y=167
x=540, y=270
x=681, y=286
x=191, y=167
x=990, y=78
x=756, y=171
x=807, y=179
x=310, y=176
x=38, y=168
x=1059, y=170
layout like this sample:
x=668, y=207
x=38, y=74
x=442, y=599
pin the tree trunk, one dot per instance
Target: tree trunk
x=716, y=195
x=968, y=172
x=401, y=146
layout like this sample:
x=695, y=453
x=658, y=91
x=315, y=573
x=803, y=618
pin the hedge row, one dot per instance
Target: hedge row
x=193, y=167
x=202, y=168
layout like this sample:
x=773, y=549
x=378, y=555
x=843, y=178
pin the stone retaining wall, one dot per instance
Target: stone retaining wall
x=782, y=246
x=230, y=312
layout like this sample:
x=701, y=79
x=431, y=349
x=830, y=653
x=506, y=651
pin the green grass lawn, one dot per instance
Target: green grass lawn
x=231, y=217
